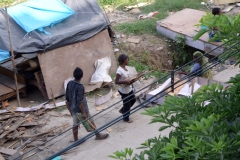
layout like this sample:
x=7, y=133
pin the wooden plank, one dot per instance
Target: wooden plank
x=217, y=2
x=179, y=86
x=7, y=151
x=5, y=90
x=228, y=8
x=10, y=74
x=12, y=128
x=133, y=40
x=1, y=157
x=8, y=64
x=10, y=82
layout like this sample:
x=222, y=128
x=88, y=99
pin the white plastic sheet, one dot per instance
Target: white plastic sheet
x=102, y=69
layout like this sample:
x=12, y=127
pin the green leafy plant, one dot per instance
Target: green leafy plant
x=178, y=47
x=226, y=28
x=123, y=155
x=204, y=126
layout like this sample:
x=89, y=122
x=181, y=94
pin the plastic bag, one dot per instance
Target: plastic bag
x=102, y=69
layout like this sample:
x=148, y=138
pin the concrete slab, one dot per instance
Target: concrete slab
x=184, y=23
x=225, y=75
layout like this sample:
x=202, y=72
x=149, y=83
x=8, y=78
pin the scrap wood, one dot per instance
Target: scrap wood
x=5, y=104
x=1, y=157
x=24, y=109
x=40, y=134
x=16, y=135
x=179, y=86
x=227, y=9
x=134, y=40
x=12, y=128
x=3, y=140
x=60, y=115
x=217, y=2
x=142, y=4
x=139, y=75
x=7, y=151
x=21, y=129
x=91, y=125
x=23, y=144
x=28, y=124
x=29, y=155
x=12, y=144
x=99, y=108
x=30, y=119
x=34, y=144
x=39, y=112
x=4, y=117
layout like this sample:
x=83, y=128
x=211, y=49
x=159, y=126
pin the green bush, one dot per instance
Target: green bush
x=226, y=28
x=204, y=126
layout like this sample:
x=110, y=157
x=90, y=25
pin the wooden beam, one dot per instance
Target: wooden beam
x=217, y=2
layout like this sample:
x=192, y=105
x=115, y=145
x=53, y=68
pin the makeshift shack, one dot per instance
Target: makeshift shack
x=49, y=54
x=184, y=23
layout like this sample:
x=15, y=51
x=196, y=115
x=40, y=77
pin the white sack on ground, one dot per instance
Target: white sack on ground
x=102, y=69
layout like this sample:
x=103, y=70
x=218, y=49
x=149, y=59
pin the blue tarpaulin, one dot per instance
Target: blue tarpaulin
x=87, y=21
x=36, y=14
x=4, y=55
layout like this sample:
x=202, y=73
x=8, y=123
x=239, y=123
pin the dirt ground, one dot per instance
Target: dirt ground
x=122, y=134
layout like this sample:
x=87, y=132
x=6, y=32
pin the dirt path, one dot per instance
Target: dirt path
x=122, y=134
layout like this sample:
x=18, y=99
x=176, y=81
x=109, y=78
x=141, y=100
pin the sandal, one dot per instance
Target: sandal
x=129, y=121
x=102, y=136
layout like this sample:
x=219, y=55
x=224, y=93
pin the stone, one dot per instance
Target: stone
x=123, y=36
x=227, y=62
x=160, y=48
x=150, y=45
x=133, y=40
x=116, y=50
x=118, y=36
x=132, y=46
x=135, y=11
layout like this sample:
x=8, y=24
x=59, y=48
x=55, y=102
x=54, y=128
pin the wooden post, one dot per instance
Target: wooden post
x=12, y=58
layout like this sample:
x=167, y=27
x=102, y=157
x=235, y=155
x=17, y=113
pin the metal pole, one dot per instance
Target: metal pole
x=172, y=80
x=12, y=58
